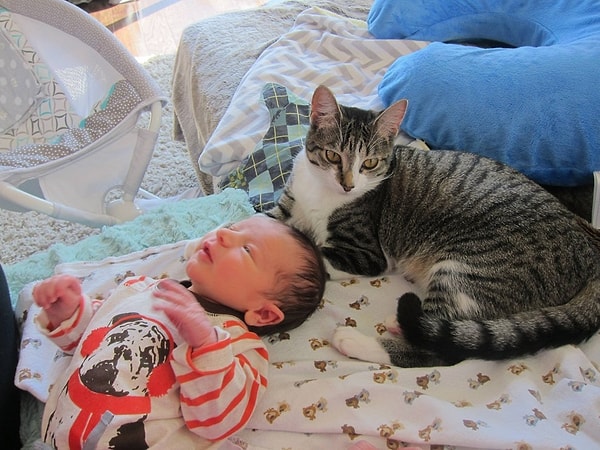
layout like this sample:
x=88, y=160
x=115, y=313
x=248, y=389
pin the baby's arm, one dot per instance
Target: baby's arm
x=65, y=310
x=222, y=383
x=221, y=379
x=184, y=311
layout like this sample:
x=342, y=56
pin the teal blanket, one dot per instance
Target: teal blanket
x=171, y=222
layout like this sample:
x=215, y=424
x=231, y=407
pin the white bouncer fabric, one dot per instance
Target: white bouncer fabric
x=89, y=167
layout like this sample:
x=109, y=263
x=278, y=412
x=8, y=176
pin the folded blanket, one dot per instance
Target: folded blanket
x=321, y=48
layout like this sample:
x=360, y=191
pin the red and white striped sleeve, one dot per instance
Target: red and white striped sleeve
x=69, y=332
x=221, y=383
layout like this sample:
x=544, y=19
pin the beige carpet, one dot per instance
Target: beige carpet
x=170, y=173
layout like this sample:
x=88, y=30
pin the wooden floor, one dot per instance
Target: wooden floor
x=153, y=27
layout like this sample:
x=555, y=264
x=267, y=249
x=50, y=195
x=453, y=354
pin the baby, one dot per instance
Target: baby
x=162, y=364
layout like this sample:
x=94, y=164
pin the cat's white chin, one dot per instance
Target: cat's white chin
x=352, y=343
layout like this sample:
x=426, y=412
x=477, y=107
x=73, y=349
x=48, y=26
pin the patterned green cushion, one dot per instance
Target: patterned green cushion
x=264, y=172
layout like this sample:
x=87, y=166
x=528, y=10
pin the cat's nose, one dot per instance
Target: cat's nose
x=347, y=181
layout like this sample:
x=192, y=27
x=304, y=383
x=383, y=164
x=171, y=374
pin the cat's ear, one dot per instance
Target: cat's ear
x=324, y=109
x=388, y=122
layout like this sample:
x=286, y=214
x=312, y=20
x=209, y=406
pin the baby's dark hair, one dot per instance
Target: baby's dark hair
x=297, y=294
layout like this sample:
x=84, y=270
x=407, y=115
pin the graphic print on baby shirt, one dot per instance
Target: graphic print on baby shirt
x=124, y=365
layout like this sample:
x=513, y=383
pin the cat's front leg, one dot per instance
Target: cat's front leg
x=352, y=343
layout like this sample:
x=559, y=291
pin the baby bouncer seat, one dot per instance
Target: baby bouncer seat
x=79, y=116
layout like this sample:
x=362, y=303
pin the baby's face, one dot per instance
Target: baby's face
x=235, y=264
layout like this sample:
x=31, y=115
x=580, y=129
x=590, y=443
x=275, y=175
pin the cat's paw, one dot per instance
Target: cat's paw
x=352, y=343
x=392, y=325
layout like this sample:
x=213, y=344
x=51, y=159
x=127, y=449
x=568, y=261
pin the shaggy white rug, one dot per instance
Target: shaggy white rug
x=170, y=173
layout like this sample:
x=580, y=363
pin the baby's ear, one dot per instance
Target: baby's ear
x=267, y=314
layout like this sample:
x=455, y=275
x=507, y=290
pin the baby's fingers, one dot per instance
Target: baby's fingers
x=173, y=291
x=47, y=292
x=190, y=321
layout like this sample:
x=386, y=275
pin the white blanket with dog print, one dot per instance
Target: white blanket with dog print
x=317, y=398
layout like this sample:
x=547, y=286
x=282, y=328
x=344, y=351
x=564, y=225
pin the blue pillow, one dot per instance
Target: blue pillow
x=535, y=107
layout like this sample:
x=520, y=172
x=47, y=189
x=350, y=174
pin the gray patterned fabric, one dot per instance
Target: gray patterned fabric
x=121, y=100
x=20, y=87
x=47, y=113
x=264, y=172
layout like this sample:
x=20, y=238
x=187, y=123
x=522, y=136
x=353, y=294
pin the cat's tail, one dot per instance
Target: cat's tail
x=516, y=335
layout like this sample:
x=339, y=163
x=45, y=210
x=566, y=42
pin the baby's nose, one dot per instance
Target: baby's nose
x=225, y=237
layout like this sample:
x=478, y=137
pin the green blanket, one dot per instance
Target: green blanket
x=171, y=222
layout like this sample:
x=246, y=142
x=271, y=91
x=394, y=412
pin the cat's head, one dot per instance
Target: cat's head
x=354, y=146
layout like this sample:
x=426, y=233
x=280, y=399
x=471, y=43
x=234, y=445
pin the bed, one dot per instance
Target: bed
x=250, y=148
x=317, y=398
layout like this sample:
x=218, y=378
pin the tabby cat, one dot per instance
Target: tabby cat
x=500, y=267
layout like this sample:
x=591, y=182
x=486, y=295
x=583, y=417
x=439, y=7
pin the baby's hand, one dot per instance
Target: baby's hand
x=59, y=296
x=182, y=308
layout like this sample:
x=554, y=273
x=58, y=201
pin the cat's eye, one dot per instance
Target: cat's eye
x=332, y=157
x=370, y=163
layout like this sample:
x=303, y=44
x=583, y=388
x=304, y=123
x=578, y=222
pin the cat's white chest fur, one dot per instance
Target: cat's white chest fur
x=317, y=194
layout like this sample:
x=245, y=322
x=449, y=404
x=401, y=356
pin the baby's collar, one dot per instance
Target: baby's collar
x=212, y=307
